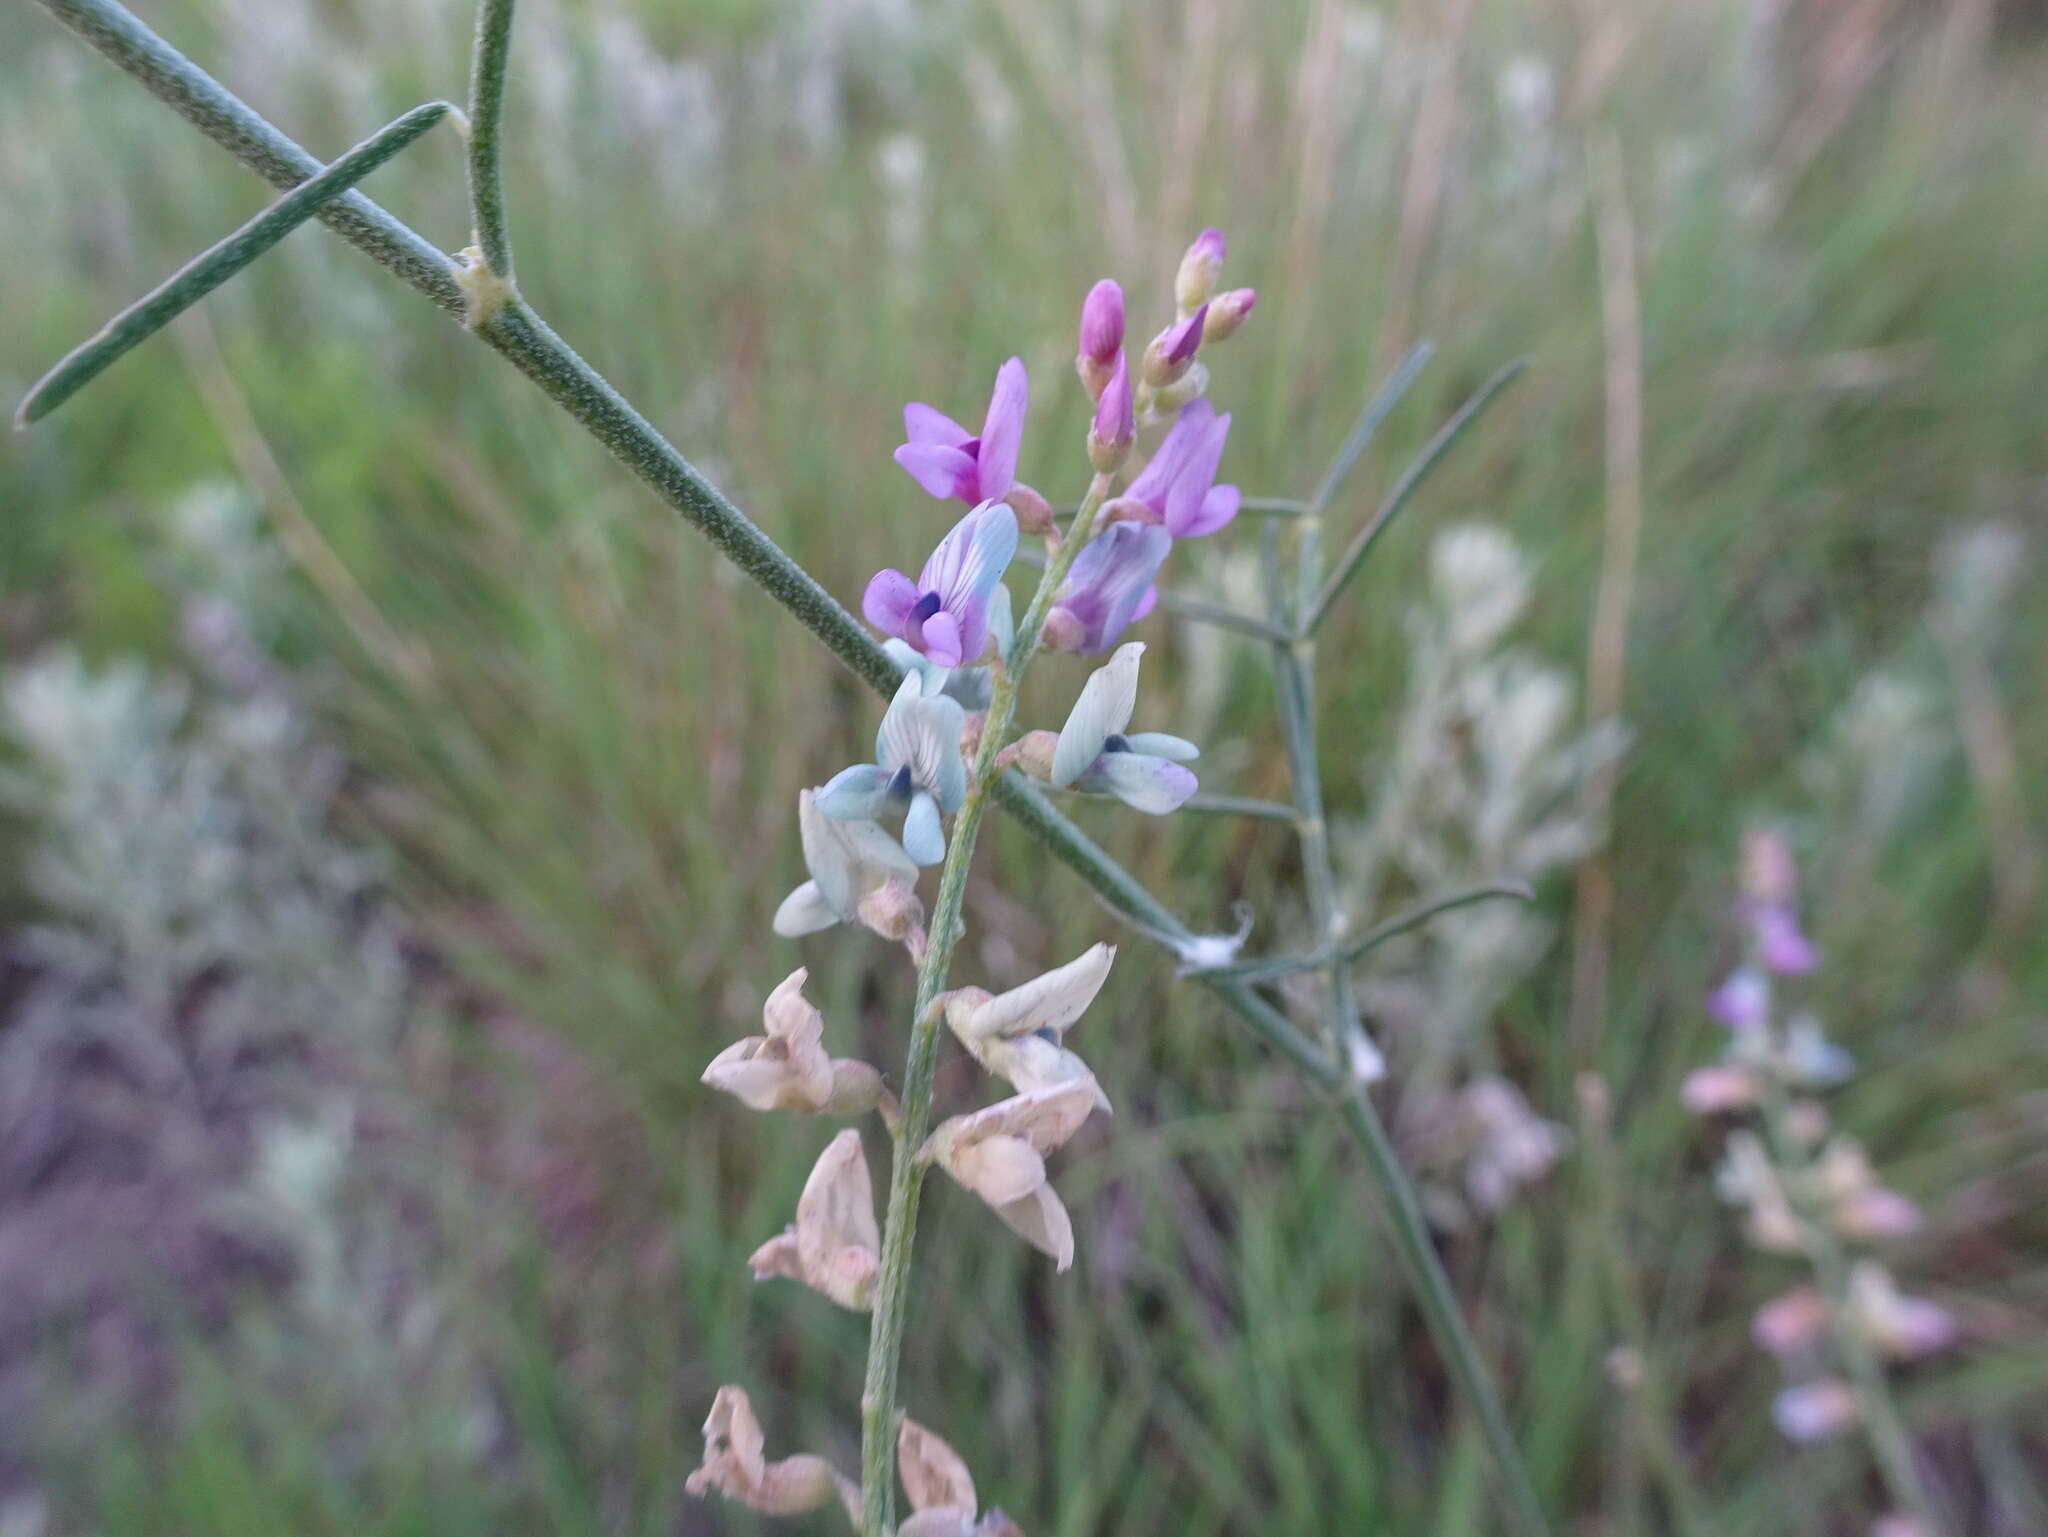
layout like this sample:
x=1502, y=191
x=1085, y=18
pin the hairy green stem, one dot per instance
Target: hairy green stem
x=486, y=114
x=1238, y=806
x=906, y=1175
x=219, y=262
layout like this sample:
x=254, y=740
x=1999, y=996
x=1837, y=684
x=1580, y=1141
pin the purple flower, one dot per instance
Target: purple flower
x=1102, y=323
x=1108, y=588
x=1779, y=943
x=1743, y=1002
x=943, y=615
x=1177, y=488
x=944, y=458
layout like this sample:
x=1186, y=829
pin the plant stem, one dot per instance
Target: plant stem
x=1353, y=1060
x=486, y=113
x=906, y=1176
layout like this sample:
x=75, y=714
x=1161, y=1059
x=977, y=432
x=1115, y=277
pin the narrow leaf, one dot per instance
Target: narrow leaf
x=213, y=267
x=1405, y=489
x=1416, y=916
x=1376, y=411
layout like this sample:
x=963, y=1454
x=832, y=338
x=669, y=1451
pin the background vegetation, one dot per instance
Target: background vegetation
x=466, y=1257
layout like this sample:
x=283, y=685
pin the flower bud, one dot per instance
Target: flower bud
x=1034, y=512
x=1200, y=267
x=1064, y=630
x=1115, y=428
x=1035, y=748
x=893, y=911
x=1102, y=334
x=1227, y=312
x=1191, y=385
x=1168, y=354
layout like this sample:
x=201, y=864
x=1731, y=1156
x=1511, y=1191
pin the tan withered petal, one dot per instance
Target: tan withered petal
x=835, y=1245
x=948, y=1522
x=999, y=1154
x=934, y=1476
x=735, y=1464
x=788, y=1069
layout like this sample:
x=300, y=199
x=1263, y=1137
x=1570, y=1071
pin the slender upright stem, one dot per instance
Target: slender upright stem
x=486, y=114
x=906, y=1176
x=1353, y=1059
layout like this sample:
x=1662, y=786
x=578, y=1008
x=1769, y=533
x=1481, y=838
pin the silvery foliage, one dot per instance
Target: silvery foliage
x=1482, y=782
x=215, y=990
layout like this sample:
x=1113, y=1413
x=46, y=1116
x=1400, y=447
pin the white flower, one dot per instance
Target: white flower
x=1094, y=756
x=1020, y=1035
x=849, y=863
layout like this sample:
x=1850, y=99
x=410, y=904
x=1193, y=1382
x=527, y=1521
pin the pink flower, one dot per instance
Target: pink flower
x=945, y=459
x=1109, y=588
x=1115, y=428
x=1178, y=487
x=1102, y=334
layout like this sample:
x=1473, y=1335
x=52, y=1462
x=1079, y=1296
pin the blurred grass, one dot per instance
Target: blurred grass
x=770, y=225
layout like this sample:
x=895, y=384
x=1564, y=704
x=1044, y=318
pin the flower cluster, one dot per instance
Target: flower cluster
x=868, y=830
x=1805, y=1189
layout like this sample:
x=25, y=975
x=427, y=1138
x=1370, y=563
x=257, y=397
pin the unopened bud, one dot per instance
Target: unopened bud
x=1115, y=428
x=1063, y=630
x=1034, y=749
x=1227, y=312
x=892, y=910
x=1199, y=269
x=1102, y=334
x=1168, y=354
x=1034, y=512
x=1191, y=385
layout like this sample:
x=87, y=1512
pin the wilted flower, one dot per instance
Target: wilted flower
x=1102, y=335
x=1791, y=1324
x=1720, y=1088
x=1814, y=1411
x=1200, y=266
x=999, y=1153
x=736, y=1467
x=1108, y=589
x=947, y=460
x=1858, y=1205
x=1020, y=1035
x=941, y=1490
x=917, y=771
x=1114, y=429
x=1899, y=1327
x=944, y=614
x=1177, y=488
x=787, y=1068
x=1481, y=581
x=834, y=1246
x=1093, y=756
x=1172, y=352
x=849, y=862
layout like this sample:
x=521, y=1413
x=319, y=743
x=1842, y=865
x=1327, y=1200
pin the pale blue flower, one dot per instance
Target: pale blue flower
x=1094, y=756
x=917, y=773
x=848, y=861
